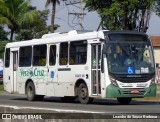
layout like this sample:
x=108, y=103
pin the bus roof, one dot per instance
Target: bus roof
x=58, y=37
x=125, y=32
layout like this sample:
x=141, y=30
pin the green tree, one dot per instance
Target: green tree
x=123, y=14
x=3, y=34
x=53, y=2
x=2, y=47
x=3, y=40
x=157, y=7
x=14, y=13
x=35, y=29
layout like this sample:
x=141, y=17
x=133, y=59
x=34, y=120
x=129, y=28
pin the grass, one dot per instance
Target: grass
x=1, y=86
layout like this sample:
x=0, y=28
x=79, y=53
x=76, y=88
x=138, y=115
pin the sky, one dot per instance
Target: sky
x=90, y=21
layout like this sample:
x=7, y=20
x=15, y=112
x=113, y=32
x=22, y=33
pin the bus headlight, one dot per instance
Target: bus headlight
x=152, y=81
x=113, y=81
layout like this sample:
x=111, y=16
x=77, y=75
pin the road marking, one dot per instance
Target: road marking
x=57, y=110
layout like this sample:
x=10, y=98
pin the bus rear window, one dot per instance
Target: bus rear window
x=7, y=57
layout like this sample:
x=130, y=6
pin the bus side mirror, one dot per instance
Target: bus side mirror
x=104, y=50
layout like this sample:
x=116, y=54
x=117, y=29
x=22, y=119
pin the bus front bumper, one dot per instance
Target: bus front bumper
x=115, y=92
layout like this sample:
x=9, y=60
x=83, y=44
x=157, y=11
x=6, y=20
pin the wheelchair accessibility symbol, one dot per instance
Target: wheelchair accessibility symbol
x=52, y=74
x=130, y=70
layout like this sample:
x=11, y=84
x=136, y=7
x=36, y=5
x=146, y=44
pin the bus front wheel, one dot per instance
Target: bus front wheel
x=124, y=101
x=83, y=94
x=31, y=96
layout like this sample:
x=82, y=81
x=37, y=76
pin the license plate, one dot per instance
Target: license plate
x=134, y=91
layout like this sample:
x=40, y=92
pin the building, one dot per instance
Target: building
x=156, y=45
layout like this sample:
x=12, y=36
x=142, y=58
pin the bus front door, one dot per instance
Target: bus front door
x=95, y=70
x=14, y=70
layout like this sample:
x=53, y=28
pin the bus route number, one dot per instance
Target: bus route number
x=79, y=75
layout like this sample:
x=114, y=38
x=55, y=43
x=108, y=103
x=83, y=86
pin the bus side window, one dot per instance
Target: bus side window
x=39, y=55
x=71, y=61
x=43, y=62
x=25, y=56
x=63, y=55
x=78, y=52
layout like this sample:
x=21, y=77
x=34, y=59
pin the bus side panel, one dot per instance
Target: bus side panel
x=64, y=89
x=37, y=74
x=39, y=77
x=24, y=73
x=7, y=71
x=7, y=80
x=68, y=78
x=65, y=84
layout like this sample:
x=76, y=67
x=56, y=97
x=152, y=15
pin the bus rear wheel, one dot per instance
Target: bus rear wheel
x=83, y=94
x=31, y=96
x=124, y=101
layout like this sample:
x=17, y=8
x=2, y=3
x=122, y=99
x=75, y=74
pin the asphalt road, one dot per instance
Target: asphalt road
x=104, y=106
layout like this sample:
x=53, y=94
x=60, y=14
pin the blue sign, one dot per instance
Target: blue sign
x=130, y=70
x=1, y=72
x=52, y=74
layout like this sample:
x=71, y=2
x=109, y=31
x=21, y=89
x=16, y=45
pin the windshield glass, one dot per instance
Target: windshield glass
x=130, y=57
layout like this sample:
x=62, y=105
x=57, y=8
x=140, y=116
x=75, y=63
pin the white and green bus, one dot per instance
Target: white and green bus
x=102, y=64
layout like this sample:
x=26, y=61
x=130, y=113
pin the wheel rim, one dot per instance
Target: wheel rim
x=83, y=93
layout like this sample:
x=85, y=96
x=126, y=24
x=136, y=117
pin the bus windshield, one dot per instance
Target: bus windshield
x=127, y=56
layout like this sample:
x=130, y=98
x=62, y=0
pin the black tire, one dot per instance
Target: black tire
x=68, y=99
x=30, y=91
x=124, y=101
x=83, y=94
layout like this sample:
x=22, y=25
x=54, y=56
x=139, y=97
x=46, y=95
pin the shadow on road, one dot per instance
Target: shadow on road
x=95, y=102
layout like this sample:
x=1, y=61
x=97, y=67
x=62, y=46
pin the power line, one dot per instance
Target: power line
x=71, y=2
x=80, y=15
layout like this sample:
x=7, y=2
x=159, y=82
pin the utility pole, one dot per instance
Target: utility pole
x=80, y=14
x=81, y=7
